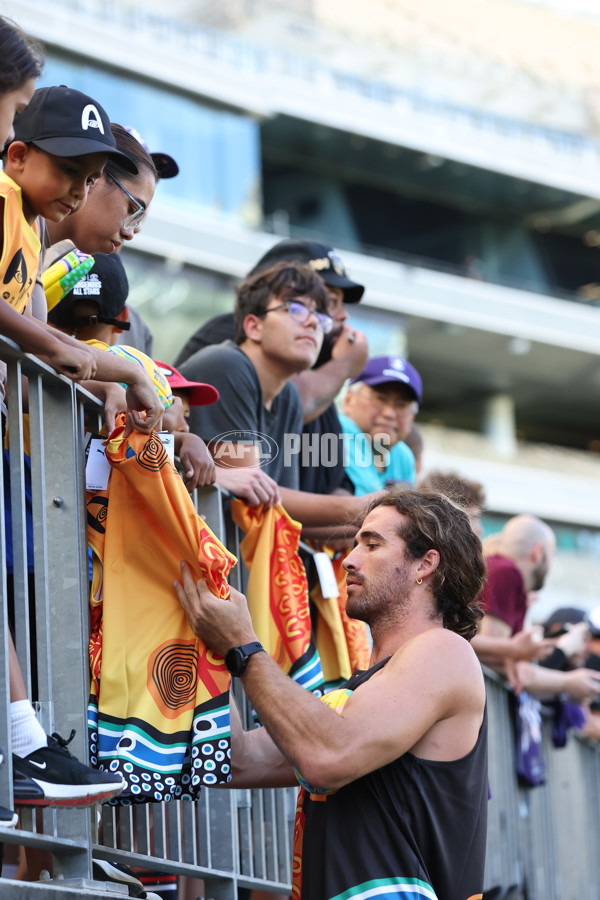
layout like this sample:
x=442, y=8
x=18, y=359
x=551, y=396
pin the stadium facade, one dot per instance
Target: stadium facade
x=453, y=162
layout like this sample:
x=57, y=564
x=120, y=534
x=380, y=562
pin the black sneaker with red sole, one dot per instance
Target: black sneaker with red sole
x=62, y=779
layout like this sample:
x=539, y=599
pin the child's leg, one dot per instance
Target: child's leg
x=27, y=735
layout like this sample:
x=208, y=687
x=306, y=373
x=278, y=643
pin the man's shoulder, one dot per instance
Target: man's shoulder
x=431, y=643
x=226, y=354
x=452, y=653
x=215, y=331
x=502, y=567
x=436, y=660
x=440, y=638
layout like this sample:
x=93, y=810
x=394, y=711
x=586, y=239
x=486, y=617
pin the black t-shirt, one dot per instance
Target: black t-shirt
x=324, y=471
x=415, y=825
x=240, y=414
x=215, y=331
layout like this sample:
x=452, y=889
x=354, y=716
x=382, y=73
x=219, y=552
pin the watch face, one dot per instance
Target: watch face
x=236, y=658
x=235, y=661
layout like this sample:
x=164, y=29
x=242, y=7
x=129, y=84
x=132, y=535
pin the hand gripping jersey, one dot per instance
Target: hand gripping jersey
x=159, y=700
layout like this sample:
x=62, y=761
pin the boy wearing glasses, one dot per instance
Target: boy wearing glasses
x=255, y=428
x=379, y=411
x=280, y=319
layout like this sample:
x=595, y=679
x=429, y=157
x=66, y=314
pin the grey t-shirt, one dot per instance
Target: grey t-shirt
x=240, y=414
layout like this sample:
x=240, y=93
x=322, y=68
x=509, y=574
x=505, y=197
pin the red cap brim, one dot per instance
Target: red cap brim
x=200, y=394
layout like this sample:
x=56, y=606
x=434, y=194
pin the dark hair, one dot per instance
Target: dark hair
x=434, y=523
x=284, y=280
x=462, y=491
x=21, y=56
x=131, y=147
x=414, y=440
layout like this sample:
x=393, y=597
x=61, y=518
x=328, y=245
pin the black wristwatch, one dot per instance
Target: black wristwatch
x=236, y=658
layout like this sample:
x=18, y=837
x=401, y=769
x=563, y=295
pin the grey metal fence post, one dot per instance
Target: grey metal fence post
x=61, y=598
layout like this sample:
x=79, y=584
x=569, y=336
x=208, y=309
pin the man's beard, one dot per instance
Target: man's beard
x=538, y=576
x=383, y=599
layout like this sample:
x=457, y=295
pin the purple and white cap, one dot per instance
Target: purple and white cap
x=386, y=369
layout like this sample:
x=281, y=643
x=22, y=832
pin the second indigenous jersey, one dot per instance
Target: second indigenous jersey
x=412, y=830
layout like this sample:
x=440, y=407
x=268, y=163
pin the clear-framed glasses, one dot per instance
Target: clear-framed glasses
x=134, y=218
x=302, y=313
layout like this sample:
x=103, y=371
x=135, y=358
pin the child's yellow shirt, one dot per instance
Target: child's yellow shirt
x=20, y=251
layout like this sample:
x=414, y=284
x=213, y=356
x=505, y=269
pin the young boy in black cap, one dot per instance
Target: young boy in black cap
x=62, y=142
x=66, y=135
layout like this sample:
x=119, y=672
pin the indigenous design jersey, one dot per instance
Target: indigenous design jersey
x=412, y=829
x=342, y=642
x=277, y=590
x=20, y=250
x=159, y=699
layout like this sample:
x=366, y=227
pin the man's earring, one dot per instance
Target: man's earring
x=419, y=581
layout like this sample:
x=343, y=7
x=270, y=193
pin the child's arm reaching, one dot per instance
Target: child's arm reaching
x=69, y=357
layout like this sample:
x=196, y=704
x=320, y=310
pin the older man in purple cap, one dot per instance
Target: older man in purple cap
x=379, y=411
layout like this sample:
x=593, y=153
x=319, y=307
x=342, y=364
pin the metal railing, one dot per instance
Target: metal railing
x=231, y=838
x=543, y=838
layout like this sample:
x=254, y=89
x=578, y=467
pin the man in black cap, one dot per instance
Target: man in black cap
x=322, y=259
x=343, y=355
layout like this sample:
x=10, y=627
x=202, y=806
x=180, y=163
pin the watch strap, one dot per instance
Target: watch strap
x=252, y=647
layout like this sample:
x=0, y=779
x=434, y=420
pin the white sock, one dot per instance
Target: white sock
x=27, y=735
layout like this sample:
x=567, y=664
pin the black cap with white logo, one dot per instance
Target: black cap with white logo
x=65, y=122
x=106, y=285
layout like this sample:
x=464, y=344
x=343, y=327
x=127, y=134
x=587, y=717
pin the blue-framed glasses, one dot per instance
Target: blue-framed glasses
x=302, y=313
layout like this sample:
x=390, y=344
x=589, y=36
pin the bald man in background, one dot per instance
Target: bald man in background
x=522, y=557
